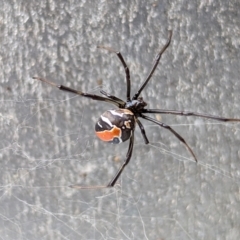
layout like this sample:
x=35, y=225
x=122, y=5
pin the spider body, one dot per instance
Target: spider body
x=136, y=105
x=118, y=125
x=115, y=126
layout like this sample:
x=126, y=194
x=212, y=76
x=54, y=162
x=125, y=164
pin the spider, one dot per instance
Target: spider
x=118, y=125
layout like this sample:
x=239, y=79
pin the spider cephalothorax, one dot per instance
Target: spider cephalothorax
x=118, y=125
x=136, y=105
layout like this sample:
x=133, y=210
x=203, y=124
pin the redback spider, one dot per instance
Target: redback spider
x=118, y=125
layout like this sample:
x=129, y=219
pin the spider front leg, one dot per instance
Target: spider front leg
x=127, y=72
x=119, y=172
x=171, y=130
x=158, y=57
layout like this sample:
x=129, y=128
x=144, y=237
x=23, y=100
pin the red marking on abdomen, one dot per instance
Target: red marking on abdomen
x=109, y=135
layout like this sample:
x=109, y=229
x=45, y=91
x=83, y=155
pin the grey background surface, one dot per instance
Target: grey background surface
x=47, y=136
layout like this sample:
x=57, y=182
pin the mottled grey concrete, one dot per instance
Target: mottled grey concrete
x=47, y=136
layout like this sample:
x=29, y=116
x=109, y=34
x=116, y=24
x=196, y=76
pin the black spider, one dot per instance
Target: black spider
x=118, y=125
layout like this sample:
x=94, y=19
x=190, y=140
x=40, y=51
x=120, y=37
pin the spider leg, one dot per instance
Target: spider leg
x=120, y=101
x=119, y=172
x=88, y=95
x=154, y=66
x=142, y=131
x=171, y=130
x=128, y=157
x=186, y=113
x=127, y=72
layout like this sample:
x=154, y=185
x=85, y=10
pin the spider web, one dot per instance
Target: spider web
x=47, y=136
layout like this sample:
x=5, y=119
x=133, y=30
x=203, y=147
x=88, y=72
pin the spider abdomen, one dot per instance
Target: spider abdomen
x=115, y=126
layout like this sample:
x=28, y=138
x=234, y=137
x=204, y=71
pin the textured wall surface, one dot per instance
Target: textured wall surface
x=47, y=136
